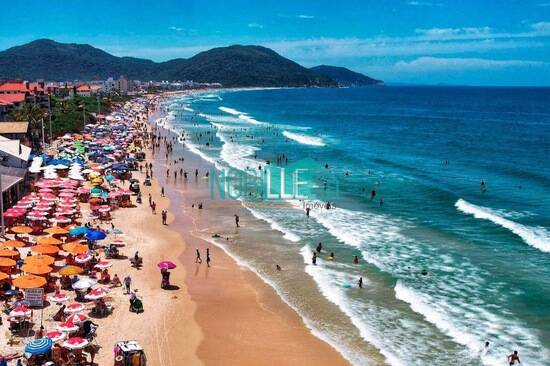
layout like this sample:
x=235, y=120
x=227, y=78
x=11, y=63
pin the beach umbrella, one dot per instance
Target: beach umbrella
x=83, y=258
x=14, y=213
x=67, y=327
x=58, y=298
x=75, y=343
x=8, y=253
x=40, y=260
x=29, y=281
x=21, y=230
x=84, y=283
x=70, y=271
x=37, y=269
x=20, y=312
x=95, y=235
x=49, y=240
x=103, y=265
x=12, y=244
x=6, y=262
x=62, y=220
x=56, y=230
x=39, y=346
x=45, y=249
x=166, y=265
x=118, y=242
x=104, y=209
x=75, y=248
x=97, y=293
x=77, y=318
x=56, y=336
x=80, y=230
x=109, y=178
x=3, y=276
x=74, y=308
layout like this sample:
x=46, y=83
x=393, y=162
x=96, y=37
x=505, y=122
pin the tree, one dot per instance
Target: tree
x=33, y=114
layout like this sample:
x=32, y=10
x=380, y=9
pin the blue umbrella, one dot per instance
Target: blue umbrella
x=78, y=231
x=95, y=235
x=39, y=346
x=109, y=177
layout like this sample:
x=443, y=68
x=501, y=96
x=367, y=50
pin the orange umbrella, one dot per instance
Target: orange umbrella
x=40, y=260
x=8, y=253
x=56, y=230
x=49, y=240
x=37, y=269
x=75, y=248
x=3, y=276
x=70, y=271
x=12, y=244
x=45, y=249
x=21, y=230
x=6, y=262
x=29, y=281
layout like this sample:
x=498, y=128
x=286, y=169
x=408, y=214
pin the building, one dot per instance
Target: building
x=14, y=130
x=84, y=91
x=122, y=85
x=14, y=159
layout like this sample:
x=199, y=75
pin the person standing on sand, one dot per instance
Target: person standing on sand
x=208, y=257
x=237, y=220
x=154, y=208
x=198, y=257
x=164, y=212
x=127, y=283
x=162, y=192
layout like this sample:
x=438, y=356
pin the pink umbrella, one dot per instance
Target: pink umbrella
x=56, y=336
x=166, y=265
x=14, y=213
x=68, y=327
x=45, y=190
x=104, y=209
x=77, y=318
x=74, y=308
x=63, y=220
x=83, y=258
x=97, y=293
x=20, y=312
x=75, y=343
x=58, y=298
x=103, y=265
x=36, y=218
x=66, y=194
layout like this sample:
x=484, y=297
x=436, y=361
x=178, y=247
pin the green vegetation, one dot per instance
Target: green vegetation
x=345, y=77
x=231, y=66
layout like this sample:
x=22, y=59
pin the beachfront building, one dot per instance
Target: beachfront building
x=122, y=85
x=14, y=159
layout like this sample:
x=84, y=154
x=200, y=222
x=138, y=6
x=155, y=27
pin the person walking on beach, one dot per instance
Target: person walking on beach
x=164, y=215
x=127, y=283
x=154, y=208
x=208, y=257
x=198, y=257
x=512, y=358
x=237, y=220
x=162, y=192
x=150, y=199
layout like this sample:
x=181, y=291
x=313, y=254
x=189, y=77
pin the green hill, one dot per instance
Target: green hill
x=345, y=77
x=232, y=66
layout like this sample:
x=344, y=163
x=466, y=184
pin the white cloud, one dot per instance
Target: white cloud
x=174, y=28
x=434, y=64
x=303, y=16
x=542, y=27
x=465, y=32
x=423, y=3
x=255, y=25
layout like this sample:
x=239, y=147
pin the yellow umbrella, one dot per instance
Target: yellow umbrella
x=45, y=249
x=8, y=253
x=49, y=240
x=56, y=230
x=40, y=260
x=21, y=230
x=70, y=271
x=6, y=262
x=75, y=248
x=37, y=269
x=12, y=244
x=29, y=281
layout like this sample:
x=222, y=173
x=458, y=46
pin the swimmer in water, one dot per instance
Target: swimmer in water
x=360, y=282
x=331, y=256
x=355, y=260
x=319, y=248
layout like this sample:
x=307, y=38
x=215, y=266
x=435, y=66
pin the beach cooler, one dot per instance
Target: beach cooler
x=129, y=353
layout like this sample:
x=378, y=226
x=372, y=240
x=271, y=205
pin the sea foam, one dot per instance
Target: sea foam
x=304, y=139
x=537, y=237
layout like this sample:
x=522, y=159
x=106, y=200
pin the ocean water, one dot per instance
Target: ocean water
x=425, y=151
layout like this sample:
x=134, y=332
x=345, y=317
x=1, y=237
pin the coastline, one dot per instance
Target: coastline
x=242, y=319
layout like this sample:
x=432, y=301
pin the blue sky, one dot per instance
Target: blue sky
x=498, y=42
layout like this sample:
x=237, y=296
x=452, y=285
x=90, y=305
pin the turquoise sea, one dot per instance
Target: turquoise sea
x=448, y=263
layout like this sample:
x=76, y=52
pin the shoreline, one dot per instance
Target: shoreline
x=256, y=326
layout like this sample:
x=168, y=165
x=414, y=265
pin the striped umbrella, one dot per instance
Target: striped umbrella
x=56, y=336
x=75, y=343
x=39, y=346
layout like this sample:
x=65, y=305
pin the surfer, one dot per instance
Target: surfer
x=360, y=282
x=512, y=358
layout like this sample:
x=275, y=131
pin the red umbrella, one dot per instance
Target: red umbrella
x=59, y=298
x=74, y=308
x=56, y=336
x=75, y=343
x=68, y=327
x=77, y=318
x=97, y=293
